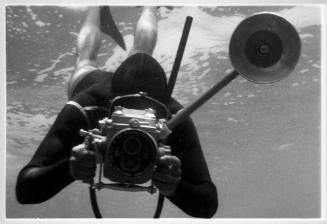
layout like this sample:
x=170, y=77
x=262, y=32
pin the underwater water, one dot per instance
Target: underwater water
x=261, y=142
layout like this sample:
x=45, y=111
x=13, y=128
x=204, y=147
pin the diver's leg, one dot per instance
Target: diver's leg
x=88, y=44
x=146, y=32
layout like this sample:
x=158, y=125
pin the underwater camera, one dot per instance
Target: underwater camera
x=130, y=141
x=264, y=48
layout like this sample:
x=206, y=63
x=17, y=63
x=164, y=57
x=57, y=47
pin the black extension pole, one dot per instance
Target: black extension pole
x=171, y=85
x=179, y=55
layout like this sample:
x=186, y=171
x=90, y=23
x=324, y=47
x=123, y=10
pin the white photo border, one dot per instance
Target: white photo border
x=3, y=103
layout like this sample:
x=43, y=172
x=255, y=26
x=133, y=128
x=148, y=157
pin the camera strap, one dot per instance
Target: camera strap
x=82, y=110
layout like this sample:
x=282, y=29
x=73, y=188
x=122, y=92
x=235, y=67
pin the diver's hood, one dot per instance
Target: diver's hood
x=141, y=73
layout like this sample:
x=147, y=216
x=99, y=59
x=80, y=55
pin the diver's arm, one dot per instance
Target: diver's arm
x=195, y=194
x=37, y=184
x=48, y=171
x=197, y=200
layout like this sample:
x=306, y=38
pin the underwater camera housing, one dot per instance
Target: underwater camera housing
x=264, y=48
x=130, y=142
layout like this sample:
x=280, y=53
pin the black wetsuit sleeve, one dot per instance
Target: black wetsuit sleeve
x=48, y=171
x=196, y=194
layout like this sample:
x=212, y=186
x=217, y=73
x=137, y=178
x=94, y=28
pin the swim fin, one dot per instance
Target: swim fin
x=109, y=27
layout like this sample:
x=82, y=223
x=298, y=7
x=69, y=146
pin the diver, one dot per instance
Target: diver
x=63, y=155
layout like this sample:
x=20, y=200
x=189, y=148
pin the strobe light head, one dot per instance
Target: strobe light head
x=264, y=48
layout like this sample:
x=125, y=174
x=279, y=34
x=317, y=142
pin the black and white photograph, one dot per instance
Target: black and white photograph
x=164, y=111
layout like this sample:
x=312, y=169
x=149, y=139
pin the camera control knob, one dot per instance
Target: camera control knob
x=105, y=122
x=134, y=123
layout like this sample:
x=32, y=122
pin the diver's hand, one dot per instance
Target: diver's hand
x=168, y=174
x=83, y=162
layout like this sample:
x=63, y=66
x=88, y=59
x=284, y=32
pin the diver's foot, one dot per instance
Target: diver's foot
x=109, y=27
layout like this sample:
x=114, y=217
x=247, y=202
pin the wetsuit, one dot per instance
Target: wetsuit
x=48, y=171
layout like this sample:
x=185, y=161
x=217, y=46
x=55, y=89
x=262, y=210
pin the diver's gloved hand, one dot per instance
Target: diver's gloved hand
x=168, y=174
x=83, y=162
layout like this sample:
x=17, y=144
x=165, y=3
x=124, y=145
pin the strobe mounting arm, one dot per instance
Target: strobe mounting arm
x=182, y=114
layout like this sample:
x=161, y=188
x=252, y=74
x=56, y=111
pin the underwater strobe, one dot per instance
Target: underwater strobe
x=264, y=48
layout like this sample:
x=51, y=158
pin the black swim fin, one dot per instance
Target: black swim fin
x=109, y=27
